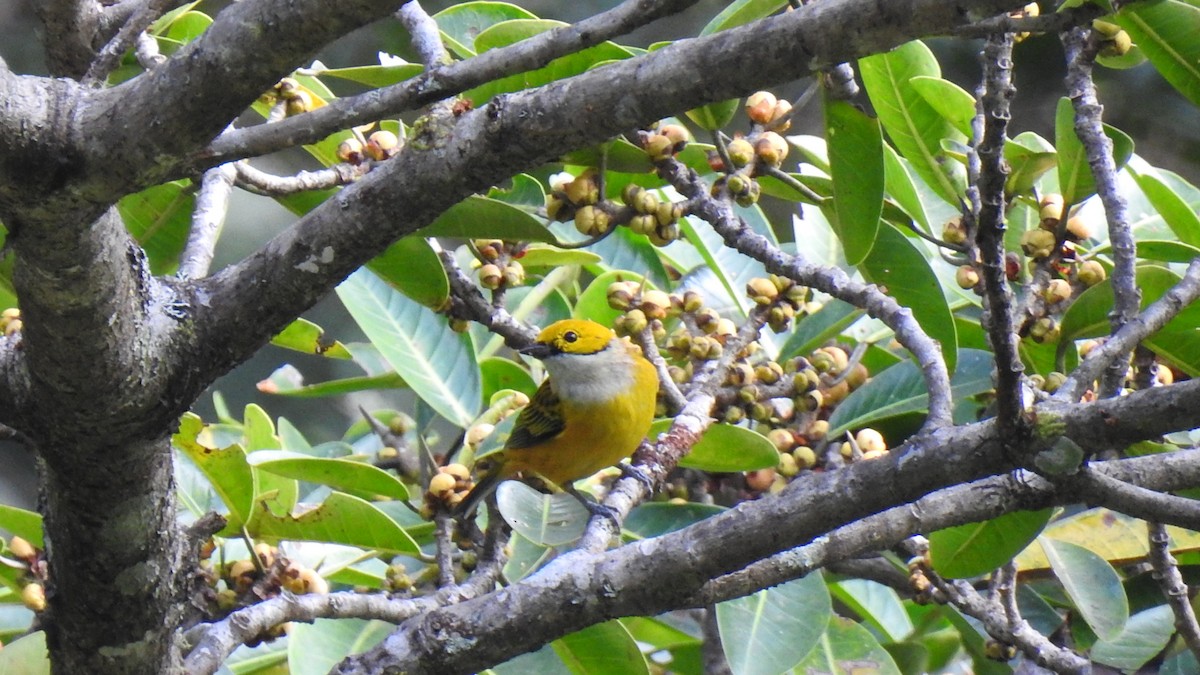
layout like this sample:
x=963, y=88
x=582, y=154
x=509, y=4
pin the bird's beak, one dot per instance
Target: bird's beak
x=538, y=350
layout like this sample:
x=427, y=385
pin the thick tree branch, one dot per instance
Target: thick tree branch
x=667, y=572
x=171, y=111
x=212, y=203
x=110, y=55
x=441, y=83
x=1166, y=573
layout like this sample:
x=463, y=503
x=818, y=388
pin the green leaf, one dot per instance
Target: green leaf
x=159, y=219
x=358, y=478
x=913, y=125
x=26, y=655
x=714, y=115
x=501, y=374
x=732, y=268
x=516, y=30
x=1166, y=251
x=376, y=76
x=741, y=12
x=226, y=468
x=1075, y=179
x=1087, y=317
x=286, y=380
x=1029, y=157
x=1145, y=635
x=878, y=605
x=315, y=648
x=305, y=336
x=898, y=266
x=340, y=519
x=437, y=363
x=900, y=390
x=484, y=218
x=1177, y=213
x=724, y=448
x=603, y=649
x=462, y=22
x=974, y=549
x=411, y=266
x=258, y=430
x=1166, y=33
x=1092, y=584
x=653, y=519
x=952, y=102
x=21, y=523
x=900, y=187
x=772, y=630
x=847, y=648
x=543, y=255
x=818, y=328
x=856, y=161
x=187, y=27
x=545, y=519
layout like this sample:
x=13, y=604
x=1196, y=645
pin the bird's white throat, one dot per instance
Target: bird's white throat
x=591, y=378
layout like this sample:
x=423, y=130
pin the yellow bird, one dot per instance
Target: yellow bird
x=592, y=411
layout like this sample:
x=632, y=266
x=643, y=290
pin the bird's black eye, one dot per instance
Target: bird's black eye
x=570, y=336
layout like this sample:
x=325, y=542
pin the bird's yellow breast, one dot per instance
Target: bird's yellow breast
x=597, y=434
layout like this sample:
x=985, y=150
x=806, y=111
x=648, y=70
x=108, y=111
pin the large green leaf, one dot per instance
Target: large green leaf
x=877, y=605
x=916, y=128
x=226, y=468
x=1029, y=157
x=307, y=337
x=21, y=523
x=437, y=363
x=847, y=648
x=159, y=219
x=603, y=649
x=513, y=31
x=657, y=518
x=899, y=267
x=741, y=12
x=315, y=648
x=901, y=188
x=952, y=102
x=358, y=478
x=460, y=23
x=1178, y=342
x=856, y=161
x=412, y=267
x=724, y=448
x=772, y=630
x=978, y=548
x=1092, y=584
x=26, y=656
x=1145, y=635
x=1075, y=179
x=1178, y=214
x=286, y=380
x=732, y=269
x=901, y=390
x=1168, y=33
x=479, y=217
x=340, y=519
x=544, y=519
x=376, y=76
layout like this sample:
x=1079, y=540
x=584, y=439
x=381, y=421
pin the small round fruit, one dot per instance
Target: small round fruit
x=771, y=149
x=1037, y=244
x=741, y=152
x=659, y=147
x=22, y=549
x=761, y=291
x=440, y=484
x=1078, y=228
x=760, y=106
x=760, y=480
x=383, y=144
x=350, y=150
x=953, y=231
x=870, y=440
x=33, y=596
x=805, y=457
x=1056, y=291
x=491, y=277
x=1090, y=273
x=967, y=277
x=782, y=439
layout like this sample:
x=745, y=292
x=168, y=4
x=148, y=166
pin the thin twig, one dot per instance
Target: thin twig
x=212, y=205
x=1166, y=573
x=670, y=391
x=1081, y=48
x=110, y=55
x=261, y=182
x=426, y=37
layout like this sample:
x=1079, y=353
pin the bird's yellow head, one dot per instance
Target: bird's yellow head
x=570, y=336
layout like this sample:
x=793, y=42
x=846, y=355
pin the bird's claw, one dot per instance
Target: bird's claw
x=631, y=471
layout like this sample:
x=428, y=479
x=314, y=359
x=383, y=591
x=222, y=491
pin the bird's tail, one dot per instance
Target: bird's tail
x=483, y=487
